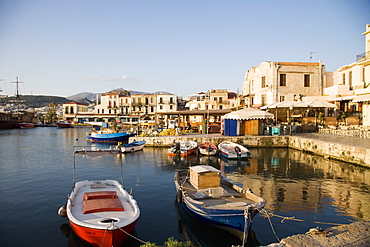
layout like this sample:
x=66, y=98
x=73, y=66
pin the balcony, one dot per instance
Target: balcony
x=363, y=56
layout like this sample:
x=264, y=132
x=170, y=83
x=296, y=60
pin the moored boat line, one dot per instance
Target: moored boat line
x=348, y=149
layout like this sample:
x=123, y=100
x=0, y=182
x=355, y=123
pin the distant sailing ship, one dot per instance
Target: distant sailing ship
x=17, y=118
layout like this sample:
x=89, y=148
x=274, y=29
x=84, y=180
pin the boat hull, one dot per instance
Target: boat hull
x=232, y=150
x=114, y=137
x=64, y=125
x=207, y=149
x=104, y=238
x=187, y=152
x=102, y=212
x=235, y=156
x=234, y=223
x=26, y=125
x=183, y=148
x=133, y=147
x=187, y=148
x=221, y=203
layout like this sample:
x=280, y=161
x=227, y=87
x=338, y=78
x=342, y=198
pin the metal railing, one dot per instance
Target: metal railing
x=364, y=55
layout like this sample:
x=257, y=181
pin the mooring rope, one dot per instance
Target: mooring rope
x=272, y=227
x=105, y=232
x=270, y=214
x=132, y=236
x=245, y=233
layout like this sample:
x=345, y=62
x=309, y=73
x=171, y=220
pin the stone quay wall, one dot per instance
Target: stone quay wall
x=333, y=150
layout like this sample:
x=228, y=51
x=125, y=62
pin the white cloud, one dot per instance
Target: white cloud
x=94, y=77
x=124, y=77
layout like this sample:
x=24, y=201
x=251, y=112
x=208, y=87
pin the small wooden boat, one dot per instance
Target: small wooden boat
x=64, y=124
x=207, y=148
x=101, y=212
x=233, y=150
x=132, y=146
x=26, y=125
x=213, y=199
x=182, y=148
x=187, y=148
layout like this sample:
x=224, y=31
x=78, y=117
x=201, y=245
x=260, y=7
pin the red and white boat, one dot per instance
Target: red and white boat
x=101, y=212
x=64, y=124
x=26, y=125
x=207, y=148
x=183, y=148
x=187, y=148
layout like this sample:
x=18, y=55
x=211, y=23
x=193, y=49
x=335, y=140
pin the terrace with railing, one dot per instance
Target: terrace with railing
x=363, y=56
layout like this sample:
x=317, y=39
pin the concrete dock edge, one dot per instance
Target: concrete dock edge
x=351, y=235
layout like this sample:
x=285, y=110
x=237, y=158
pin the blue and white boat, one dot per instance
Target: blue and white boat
x=233, y=150
x=131, y=147
x=213, y=199
x=106, y=135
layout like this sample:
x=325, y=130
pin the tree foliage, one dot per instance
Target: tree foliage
x=51, y=114
x=171, y=242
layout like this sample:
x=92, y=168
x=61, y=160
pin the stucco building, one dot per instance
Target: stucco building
x=351, y=89
x=272, y=82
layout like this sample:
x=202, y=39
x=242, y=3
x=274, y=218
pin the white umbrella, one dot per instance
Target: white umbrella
x=248, y=114
x=320, y=104
x=286, y=104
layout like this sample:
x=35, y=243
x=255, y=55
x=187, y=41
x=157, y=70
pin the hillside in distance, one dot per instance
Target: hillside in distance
x=34, y=101
x=92, y=96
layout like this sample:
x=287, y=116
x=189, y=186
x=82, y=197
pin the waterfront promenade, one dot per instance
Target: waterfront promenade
x=355, y=150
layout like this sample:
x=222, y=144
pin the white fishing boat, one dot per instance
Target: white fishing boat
x=233, y=150
x=101, y=212
x=132, y=146
x=207, y=148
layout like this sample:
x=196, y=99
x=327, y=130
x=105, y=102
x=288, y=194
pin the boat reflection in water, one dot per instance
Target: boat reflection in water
x=201, y=234
x=75, y=241
x=228, y=166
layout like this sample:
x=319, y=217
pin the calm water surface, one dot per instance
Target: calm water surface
x=36, y=177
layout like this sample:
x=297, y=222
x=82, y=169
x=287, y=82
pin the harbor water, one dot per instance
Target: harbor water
x=303, y=191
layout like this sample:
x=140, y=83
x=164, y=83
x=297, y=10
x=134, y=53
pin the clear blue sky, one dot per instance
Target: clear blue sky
x=64, y=47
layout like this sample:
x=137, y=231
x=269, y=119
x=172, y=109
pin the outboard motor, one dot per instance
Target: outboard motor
x=238, y=151
x=177, y=147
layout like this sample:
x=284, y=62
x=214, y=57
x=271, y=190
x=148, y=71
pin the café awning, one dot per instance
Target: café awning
x=362, y=98
x=249, y=114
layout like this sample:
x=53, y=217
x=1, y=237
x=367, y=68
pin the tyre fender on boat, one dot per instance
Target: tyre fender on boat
x=179, y=196
x=62, y=212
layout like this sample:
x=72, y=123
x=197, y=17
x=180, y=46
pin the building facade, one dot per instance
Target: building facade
x=72, y=109
x=272, y=82
x=351, y=89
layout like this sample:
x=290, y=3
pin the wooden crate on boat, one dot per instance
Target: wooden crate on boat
x=202, y=177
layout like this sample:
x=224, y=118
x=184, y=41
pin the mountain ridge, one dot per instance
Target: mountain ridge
x=92, y=96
